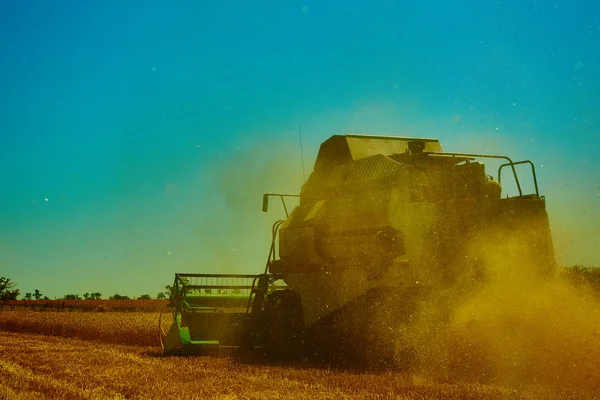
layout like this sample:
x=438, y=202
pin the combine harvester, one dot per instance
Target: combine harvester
x=384, y=226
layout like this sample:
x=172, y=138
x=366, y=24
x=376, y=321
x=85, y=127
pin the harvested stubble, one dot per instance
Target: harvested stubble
x=115, y=327
x=59, y=368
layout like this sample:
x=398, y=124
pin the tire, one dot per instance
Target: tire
x=285, y=325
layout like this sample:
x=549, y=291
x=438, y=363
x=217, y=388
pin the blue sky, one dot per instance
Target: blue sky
x=152, y=128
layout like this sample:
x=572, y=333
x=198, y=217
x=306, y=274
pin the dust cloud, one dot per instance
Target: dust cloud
x=234, y=231
x=515, y=328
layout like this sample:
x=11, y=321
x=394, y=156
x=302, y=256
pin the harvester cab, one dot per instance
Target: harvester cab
x=380, y=221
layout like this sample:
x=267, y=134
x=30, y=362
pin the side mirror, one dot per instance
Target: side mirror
x=265, y=207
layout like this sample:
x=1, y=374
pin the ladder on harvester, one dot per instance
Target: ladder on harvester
x=262, y=283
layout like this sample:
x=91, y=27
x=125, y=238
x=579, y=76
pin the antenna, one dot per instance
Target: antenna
x=301, y=152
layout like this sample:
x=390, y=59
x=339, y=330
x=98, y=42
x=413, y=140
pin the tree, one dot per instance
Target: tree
x=161, y=296
x=581, y=276
x=169, y=290
x=5, y=283
x=119, y=297
x=96, y=296
x=86, y=296
x=37, y=294
x=72, y=297
x=28, y=296
x=145, y=297
x=7, y=291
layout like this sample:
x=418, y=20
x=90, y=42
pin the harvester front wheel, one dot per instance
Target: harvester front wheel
x=285, y=324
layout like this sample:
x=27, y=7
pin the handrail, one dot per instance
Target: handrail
x=251, y=293
x=274, y=230
x=537, y=192
x=510, y=162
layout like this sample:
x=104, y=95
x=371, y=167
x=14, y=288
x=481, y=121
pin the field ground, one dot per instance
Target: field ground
x=116, y=355
x=43, y=367
x=130, y=328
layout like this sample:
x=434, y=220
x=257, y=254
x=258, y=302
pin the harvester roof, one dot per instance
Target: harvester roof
x=341, y=149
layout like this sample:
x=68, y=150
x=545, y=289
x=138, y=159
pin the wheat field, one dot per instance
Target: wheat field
x=35, y=367
x=82, y=355
x=131, y=328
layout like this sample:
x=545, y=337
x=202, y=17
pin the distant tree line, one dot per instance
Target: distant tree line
x=580, y=276
x=98, y=296
x=86, y=296
x=577, y=275
x=36, y=295
x=8, y=291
